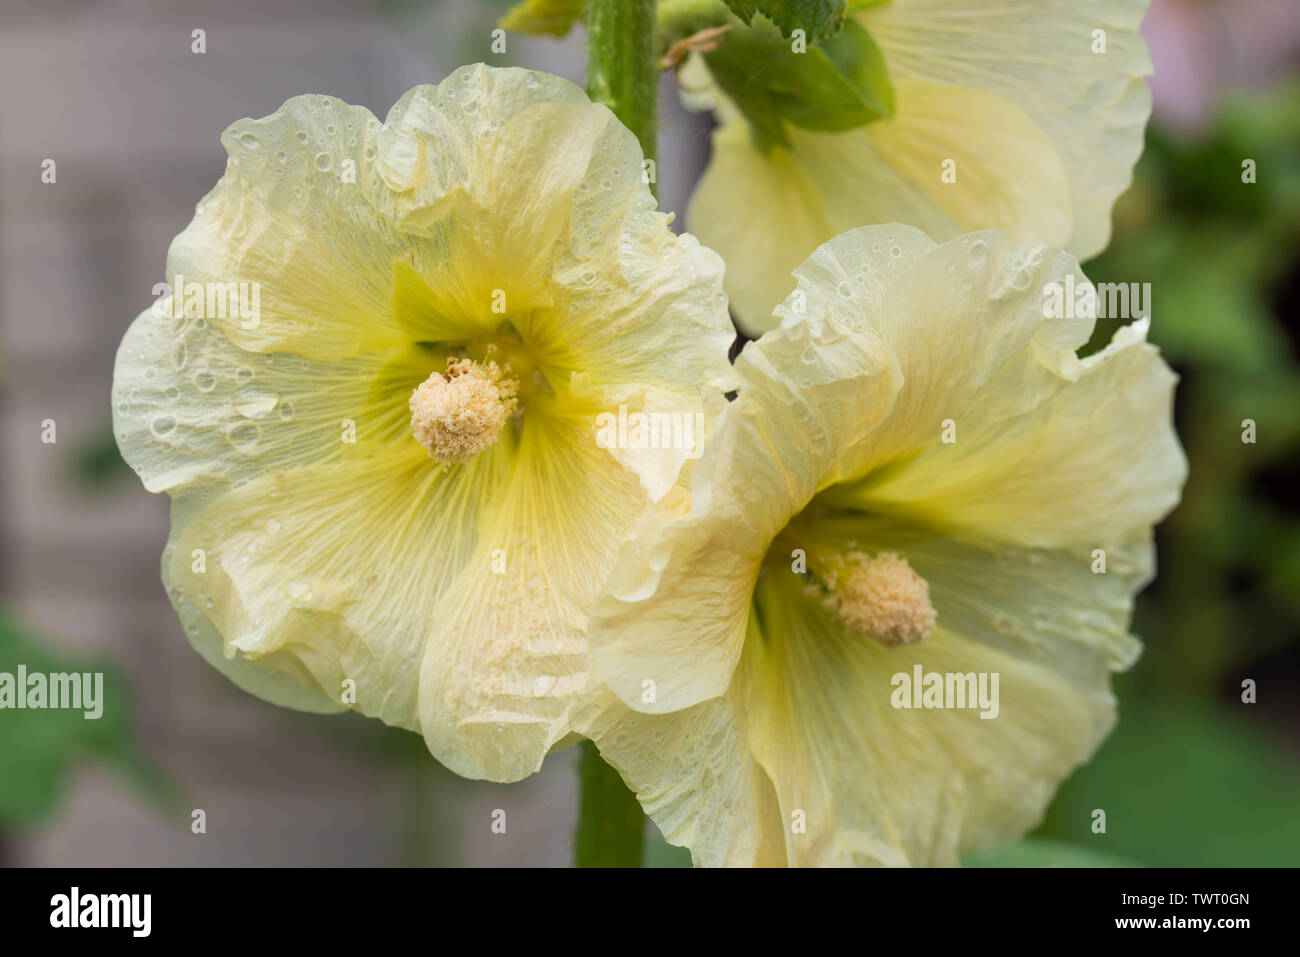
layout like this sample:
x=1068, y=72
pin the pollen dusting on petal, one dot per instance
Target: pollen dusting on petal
x=881, y=597
x=458, y=413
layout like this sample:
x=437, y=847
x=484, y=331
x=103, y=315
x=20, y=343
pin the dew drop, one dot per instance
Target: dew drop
x=244, y=436
x=254, y=403
x=161, y=425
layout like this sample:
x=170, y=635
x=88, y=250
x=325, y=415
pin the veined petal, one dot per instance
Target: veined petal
x=1004, y=173
x=1039, y=54
x=675, y=608
x=999, y=427
x=360, y=236
x=694, y=775
x=1042, y=132
x=294, y=219
x=305, y=572
x=190, y=406
x=1063, y=608
x=870, y=783
x=764, y=215
x=283, y=687
x=507, y=651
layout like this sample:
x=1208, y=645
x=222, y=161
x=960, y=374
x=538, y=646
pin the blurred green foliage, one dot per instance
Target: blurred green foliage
x=1039, y=852
x=1193, y=775
x=39, y=748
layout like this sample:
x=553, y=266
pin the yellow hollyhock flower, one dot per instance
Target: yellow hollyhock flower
x=1025, y=116
x=918, y=477
x=387, y=487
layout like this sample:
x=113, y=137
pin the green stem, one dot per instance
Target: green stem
x=622, y=71
x=623, y=74
x=681, y=18
x=611, y=826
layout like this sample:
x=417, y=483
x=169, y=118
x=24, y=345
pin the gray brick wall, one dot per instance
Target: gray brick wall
x=111, y=91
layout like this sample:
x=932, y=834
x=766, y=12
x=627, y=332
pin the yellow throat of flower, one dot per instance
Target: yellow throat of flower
x=880, y=597
x=458, y=413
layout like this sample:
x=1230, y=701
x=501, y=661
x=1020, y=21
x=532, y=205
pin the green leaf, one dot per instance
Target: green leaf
x=1187, y=783
x=38, y=748
x=837, y=85
x=859, y=60
x=1037, y=852
x=548, y=17
x=96, y=464
x=818, y=19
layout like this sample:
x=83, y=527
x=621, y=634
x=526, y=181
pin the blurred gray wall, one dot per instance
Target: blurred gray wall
x=112, y=92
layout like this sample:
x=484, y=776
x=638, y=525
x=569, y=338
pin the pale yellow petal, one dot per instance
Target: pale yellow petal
x=998, y=426
x=1042, y=133
x=695, y=777
x=190, y=406
x=766, y=213
x=764, y=217
x=284, y=688
x=295, y=219
x=860, y=781
x=330, y=573
x=1040, y=55
x=360, y=236
x=976, y=156
x=507, y=650
x=675, y=608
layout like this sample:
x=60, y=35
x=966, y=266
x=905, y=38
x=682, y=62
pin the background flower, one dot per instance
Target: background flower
x=1041, y=125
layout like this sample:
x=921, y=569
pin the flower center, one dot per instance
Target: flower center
x=880, y=597
x=458, y=413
